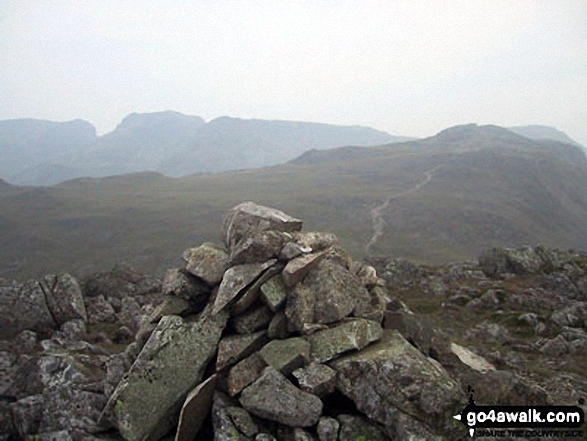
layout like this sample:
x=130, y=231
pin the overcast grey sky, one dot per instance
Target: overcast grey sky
x=406, y=67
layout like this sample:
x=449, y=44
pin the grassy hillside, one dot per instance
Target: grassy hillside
x=439, y=199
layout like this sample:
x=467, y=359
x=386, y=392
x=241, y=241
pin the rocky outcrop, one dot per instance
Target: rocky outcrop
x=277, y=334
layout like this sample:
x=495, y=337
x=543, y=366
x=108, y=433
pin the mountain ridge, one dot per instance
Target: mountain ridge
x=161, y=142
x=438, y=201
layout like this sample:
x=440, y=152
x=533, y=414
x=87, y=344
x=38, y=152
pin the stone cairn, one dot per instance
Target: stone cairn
x=277, y=335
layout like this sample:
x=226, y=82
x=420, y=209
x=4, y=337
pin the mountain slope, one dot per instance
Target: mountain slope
x=232, y=143
x=27, y=143
x=433, y=200
x=173, y=144
x=544, y=132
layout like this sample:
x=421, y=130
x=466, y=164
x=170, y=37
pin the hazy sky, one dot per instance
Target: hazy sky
x=406, y=67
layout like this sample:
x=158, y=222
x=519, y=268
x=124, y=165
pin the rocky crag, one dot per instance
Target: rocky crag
x=277, y=334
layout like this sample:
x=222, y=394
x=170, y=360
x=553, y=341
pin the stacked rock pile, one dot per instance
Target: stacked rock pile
x=277, y=335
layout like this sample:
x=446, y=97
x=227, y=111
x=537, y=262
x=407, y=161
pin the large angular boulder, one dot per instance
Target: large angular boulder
x=274, y=397
x=248, y=218
x=64, y=298
x=327, y=294
x=24, y=306
x=207, y=262
x=172, y=363
x=349, y=336
x=396, y=385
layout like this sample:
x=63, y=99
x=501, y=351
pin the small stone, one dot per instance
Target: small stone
x=225, y=428
x=252, y=320
x=242, y=420
x=244, y=373
x=99, y=310
x=265, y=437
x=286, y=355
x=352, y=335
x=74, y=329
x=471, y=359
x=234, y=348
x=273, y=293
x=208, y=262
x=317, y=379
x=273, y=397
x=328, y=429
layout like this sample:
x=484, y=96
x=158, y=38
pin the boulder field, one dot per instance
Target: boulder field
x=273, y=334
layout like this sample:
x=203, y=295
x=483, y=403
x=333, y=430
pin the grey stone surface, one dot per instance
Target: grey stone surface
x=274, y=397
x=248, y=218
x=236, y=280
x=286, y=355
x=352, y=335
x=396, y=385
x=234, y=348
x=171, y=364
x=317, y=379
x=208, y=262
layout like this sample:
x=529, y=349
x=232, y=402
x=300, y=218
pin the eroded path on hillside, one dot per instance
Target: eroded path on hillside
x=377, y=219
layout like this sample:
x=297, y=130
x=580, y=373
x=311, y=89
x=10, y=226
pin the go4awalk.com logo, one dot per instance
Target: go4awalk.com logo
x=522, y=421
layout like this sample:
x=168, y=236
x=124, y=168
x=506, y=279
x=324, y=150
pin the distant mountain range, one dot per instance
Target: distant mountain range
x=433, y=200
x=37, y=152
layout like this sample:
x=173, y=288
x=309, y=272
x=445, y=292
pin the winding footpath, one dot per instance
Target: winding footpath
x=377, y=219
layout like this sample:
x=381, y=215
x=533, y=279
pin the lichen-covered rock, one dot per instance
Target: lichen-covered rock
x=252, y=320
x=225, y=428
x=236, y=280
x=180, y=283
x=171, y=305
x=317, y=379
x=99, y=310
x=353, y=428
x=234, y=348
x=244, y=373
x=274, y=293
x=396, y=385
x=286, y=355
x=349, y=336
x=526, y=260
x=328, y=429
x=24, y=306
x=171, y=364
x=274, y=397
x=208, y=262
x=258, y=247
x=328, y=294
x=248, y=218
x=64, y=298
x=277, y=328
x=296, y=269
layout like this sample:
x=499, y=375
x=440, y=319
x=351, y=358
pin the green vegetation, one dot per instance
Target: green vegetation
x=487, y=189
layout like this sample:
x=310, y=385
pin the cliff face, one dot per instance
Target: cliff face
x=277, y=334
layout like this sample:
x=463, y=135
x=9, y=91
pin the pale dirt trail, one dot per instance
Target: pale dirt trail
x=377, y=212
